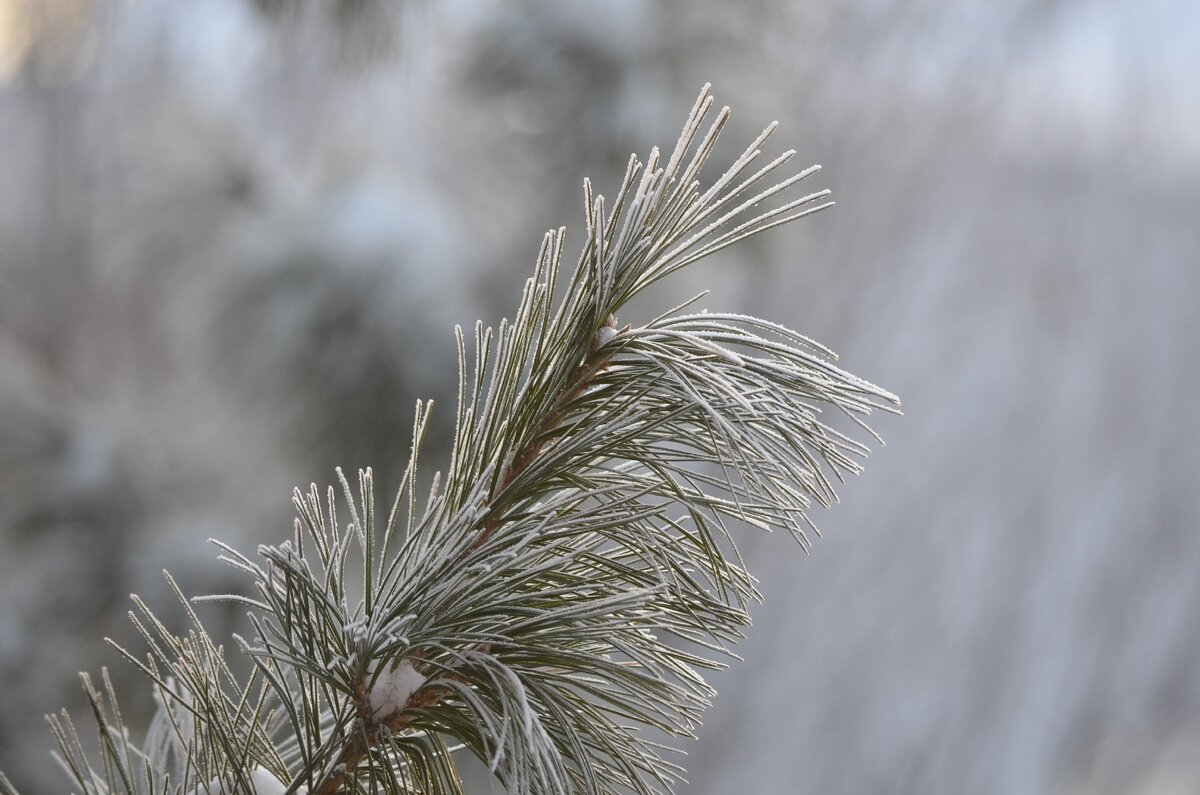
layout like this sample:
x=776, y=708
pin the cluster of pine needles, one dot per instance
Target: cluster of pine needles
x=551, y=604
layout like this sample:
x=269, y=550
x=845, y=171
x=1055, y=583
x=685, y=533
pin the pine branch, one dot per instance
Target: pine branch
x=538, y=611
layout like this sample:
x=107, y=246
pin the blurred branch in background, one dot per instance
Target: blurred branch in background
x=202, y=203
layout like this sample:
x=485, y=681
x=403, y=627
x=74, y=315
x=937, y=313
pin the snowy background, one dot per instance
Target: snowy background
x=235, y=236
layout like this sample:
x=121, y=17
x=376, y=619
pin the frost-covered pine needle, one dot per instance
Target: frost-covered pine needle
x=552, y=604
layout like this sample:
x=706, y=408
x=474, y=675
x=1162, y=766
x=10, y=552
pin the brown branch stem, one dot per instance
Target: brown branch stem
x=373, y=728
x=359, y=746
x=580, y=380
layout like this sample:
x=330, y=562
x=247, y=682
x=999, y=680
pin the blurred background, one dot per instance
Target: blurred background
x=235, y=236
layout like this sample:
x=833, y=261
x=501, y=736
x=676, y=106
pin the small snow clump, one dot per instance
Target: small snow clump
x=392, y=688
x=264, y=784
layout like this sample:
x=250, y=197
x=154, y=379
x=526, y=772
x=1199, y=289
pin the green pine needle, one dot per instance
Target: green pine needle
x=552, y=604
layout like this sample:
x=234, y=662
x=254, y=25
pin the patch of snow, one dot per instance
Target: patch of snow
x=264, y=784
x=392, y=689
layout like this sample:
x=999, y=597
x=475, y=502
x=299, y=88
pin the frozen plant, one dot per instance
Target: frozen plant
x=551, y=604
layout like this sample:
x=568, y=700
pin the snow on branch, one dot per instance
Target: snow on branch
x=530, y=609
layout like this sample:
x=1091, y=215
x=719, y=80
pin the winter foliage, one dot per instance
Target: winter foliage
x=552, y=603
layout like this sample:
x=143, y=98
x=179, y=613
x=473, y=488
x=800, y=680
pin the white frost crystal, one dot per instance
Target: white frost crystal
x=391, y=690
x=264, y=784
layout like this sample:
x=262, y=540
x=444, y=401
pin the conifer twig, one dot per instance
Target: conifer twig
x=531, y=612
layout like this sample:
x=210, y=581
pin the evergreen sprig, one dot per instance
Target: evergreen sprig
x=552, y=603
